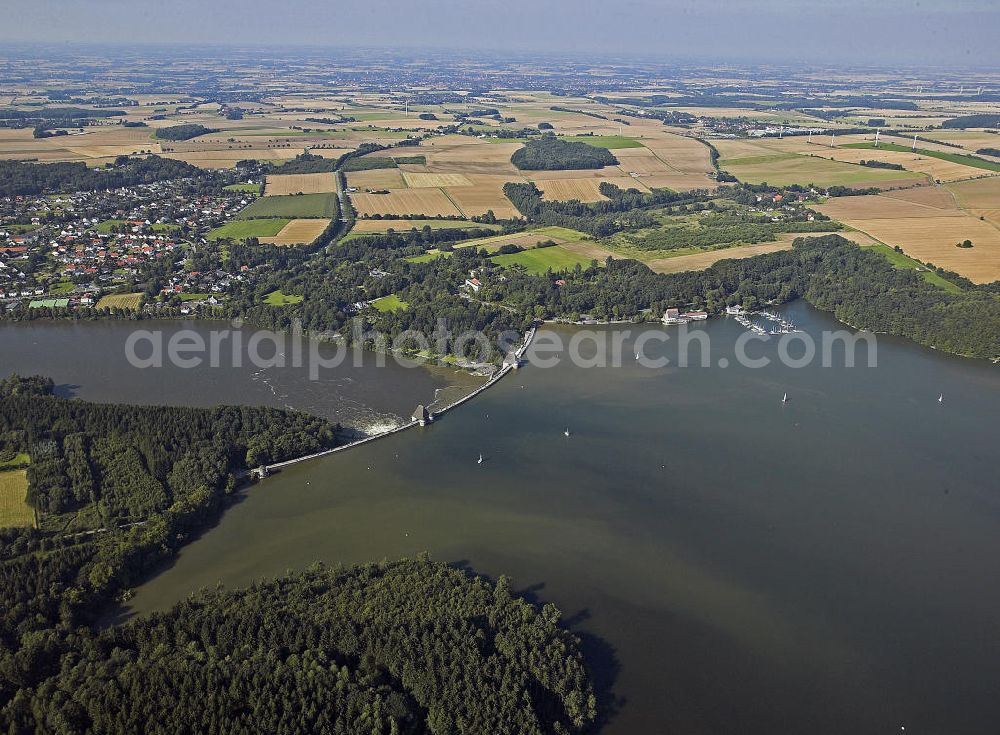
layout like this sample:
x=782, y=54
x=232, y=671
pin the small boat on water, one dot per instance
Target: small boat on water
x=941, y=398
x=480, y=459
x=784, y=398
x=566, y=433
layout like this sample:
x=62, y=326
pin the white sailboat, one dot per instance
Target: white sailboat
x=941, y=398
x=480, y=459
x=566, y=433
x=784, y=398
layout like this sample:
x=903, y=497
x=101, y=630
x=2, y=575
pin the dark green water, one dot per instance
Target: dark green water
x=736, y=564
x=88, y=360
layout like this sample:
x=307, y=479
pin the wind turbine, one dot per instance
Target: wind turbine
x=876, y=138
x=914, y=142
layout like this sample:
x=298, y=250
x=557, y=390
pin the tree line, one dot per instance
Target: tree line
x=20, y=177
x=183, y=132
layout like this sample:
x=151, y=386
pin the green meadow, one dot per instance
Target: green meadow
x=244, y=228
x=541, y=260
x=294, y=206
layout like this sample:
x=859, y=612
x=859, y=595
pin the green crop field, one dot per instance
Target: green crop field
x=16, y=462
x=784, y=169
x=251, y=188
x=296, y=206
x=610, y=142
x=540, y=260
x=277, y=298
x=242, y=229
x=965, y=160
x=428, y=256
x=390, y=303
x=14, y=508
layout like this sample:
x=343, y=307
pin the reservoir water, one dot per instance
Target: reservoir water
x=734, y=563
x=89, y=360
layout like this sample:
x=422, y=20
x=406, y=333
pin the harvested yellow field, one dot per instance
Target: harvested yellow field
x=936, y=168
x=679, y=182
x=642, y=161
x=586, y=190
x=869, y=207
x=856, y=236
x=424, y=180
x=782, y=169
x=485, y=194
x=978, y=194
x=684, y=154
x=933, y=239
x=521, y=239
x=366, y=226
x=738, y=148
x=378, y=178
x=971, y=140
x=55, y=154
x=330, y=152
x=937, y=197
x=14, y=509
x=127, y=301
x=476, y=156
x=926, y=223
x=103, y=151
x=278, y=184
x=432, y=202
x=298, y=232
x=701, y=261
x=608, y=172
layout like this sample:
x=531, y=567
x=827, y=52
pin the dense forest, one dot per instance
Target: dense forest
x=56, y=113
x=981, y=120
x=133, y=461
x=128, y=485
x=183, y=132
x=403, y=647
x=549, y=153
x=19, y=177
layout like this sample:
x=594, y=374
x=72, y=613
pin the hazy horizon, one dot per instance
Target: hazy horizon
x=854, y=33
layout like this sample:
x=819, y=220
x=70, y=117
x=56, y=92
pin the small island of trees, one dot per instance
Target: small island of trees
x=549, y=153
x=183, y=132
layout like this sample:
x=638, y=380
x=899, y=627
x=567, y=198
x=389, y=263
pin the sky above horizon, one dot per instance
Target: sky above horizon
x=859, y=32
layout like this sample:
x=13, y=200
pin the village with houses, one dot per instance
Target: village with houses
x=100, y=249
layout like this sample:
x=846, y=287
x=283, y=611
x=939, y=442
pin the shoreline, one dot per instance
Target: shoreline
x=493, y=380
